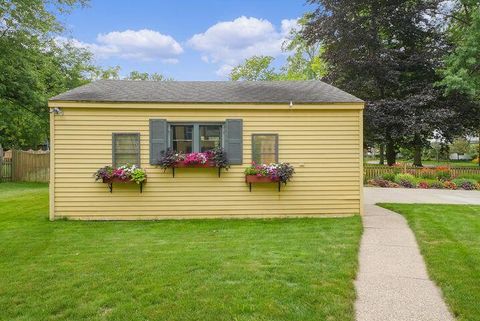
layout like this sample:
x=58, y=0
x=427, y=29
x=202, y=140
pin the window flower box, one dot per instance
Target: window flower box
x=211, y=159
x=124, y=174
x=260, y=179
x=182, y=164
x=112, y=180
x=273, y=173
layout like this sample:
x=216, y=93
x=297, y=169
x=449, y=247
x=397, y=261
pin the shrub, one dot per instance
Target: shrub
x=423, y=184
x=444, y=175
x=475, y=177
x=406, y=180
x=435, y=184
x=427, y=173
x=476, y=160
x=477, y=186
x=389, y=177
x=465, y=183
x=449, y=185
x=378, y=182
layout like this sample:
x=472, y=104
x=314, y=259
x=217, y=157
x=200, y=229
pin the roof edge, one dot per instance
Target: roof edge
x=212, y=105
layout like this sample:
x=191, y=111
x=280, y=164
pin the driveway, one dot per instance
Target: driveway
x=375, y=195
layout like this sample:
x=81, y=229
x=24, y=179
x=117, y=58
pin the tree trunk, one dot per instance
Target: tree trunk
x=390, y=152
x=417, y=151
x=417, y=156
x=382, y=154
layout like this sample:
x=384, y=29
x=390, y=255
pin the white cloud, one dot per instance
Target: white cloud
x=230, y=42
x=145, y=45
x=224, y=70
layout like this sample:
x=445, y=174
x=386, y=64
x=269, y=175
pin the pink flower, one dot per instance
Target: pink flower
x=195, y=158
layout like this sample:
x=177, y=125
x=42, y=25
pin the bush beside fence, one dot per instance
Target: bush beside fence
x=376, y=171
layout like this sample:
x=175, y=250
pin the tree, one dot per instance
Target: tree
x=254, y=68
x=97, y=73
x=460, y=146
x=462, y=70
x=137, y=75
x=305, y=62
x=34, y=66
x=386, y=53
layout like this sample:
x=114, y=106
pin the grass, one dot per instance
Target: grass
x=449, y=239
x=284, y=269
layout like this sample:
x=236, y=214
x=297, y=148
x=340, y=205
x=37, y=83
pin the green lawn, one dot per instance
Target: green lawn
x=290, y=269
x=449, y=239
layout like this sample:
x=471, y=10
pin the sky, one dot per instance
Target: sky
x=185, y=40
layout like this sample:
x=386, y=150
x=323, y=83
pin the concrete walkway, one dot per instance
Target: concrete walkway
x=392, y=283
x=375, y=195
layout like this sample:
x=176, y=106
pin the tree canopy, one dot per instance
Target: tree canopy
x=34, y=67
x=254, y=68
x=37, y=64
x=304, y=60
x=388, y=53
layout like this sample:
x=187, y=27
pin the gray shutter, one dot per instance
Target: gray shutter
x=234, y=141
x=158, y=139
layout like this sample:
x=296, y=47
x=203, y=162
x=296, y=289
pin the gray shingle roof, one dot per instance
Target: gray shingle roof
x=311, y=91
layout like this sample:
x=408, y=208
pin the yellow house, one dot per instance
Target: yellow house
x=315, y=127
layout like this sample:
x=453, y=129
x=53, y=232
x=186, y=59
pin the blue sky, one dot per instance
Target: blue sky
x=186, y=40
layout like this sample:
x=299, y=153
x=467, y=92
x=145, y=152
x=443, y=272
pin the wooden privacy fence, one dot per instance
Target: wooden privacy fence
x=5, y=170
x=371, y=172
x=26, y=167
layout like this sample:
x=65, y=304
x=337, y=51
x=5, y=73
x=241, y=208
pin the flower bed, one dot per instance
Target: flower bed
x=212, y=158
x=122, y=174
x=272, y=173
x=429, y=179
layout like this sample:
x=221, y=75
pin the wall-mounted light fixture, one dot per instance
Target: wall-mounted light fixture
x=56, y=111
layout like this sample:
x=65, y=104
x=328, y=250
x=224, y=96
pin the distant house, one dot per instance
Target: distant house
x=456, y=156
x=313, y=126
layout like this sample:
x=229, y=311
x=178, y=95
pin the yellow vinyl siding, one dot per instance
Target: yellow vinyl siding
x=324, y=145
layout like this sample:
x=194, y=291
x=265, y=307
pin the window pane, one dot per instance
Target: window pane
x=182, y=136
x=264, y=149
x=182, y=132
x=126, y=149
x=182, y=146
x=124, y=159
x=210, y=137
